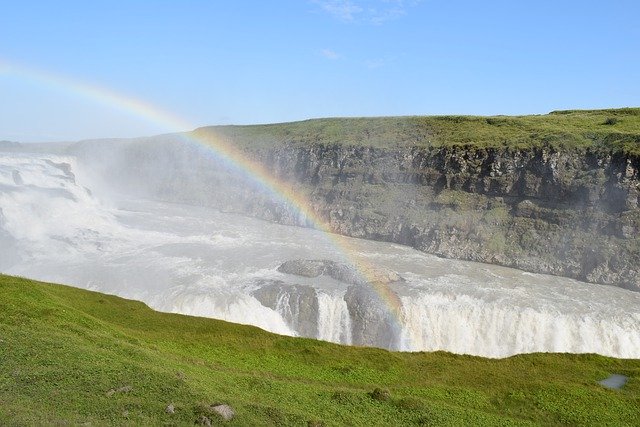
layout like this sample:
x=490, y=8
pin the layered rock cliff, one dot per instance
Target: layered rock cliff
x=554, y=194
x=572, y=213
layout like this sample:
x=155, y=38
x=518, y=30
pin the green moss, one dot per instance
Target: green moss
x=69, y=356
x=497, y=243
x=614, y=129
x=459, y=200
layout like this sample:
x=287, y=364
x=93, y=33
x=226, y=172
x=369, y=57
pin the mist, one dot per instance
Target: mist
x=164, y=221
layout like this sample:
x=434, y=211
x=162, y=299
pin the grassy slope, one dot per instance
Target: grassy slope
x=62, y=349
x=616, y=129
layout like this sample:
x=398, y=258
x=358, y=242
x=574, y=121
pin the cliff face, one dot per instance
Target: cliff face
x=573, y=213
x=555, y=194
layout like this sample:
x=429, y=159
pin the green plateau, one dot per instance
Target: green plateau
x=616, y=130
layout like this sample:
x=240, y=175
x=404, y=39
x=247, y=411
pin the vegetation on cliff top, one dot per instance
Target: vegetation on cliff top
x=69, y=356
x=617, y=130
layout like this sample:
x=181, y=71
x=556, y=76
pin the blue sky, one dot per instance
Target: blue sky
x=220, y=62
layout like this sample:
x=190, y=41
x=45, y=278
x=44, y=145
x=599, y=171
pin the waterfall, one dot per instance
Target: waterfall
x=334, y=323
x=462, y=324
x=56, y=225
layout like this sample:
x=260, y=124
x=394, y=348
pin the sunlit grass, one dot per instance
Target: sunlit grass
x=62, y=350
x=615, y=129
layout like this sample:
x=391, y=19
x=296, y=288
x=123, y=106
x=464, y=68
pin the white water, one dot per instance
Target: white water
x=199, y=261
x=334, y=323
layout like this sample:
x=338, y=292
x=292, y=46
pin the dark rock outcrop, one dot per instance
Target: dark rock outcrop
x=297, y=304
x=372, y=322
x=17, y=178
x=10, y=146
x=338, y=271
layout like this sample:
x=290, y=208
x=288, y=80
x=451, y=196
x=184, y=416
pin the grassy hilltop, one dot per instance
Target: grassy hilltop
x=69, y=356
x=613, y=129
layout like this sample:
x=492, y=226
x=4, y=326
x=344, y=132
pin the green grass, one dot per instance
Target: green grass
x=615, y=130
x=63, y=349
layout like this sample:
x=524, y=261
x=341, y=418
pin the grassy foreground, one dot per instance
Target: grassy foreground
x=69, y=356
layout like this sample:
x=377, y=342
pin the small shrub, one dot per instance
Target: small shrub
x=610, y=121
x=497, y=121
x=497, y=243
x=343, y=398
x=380, y=394
x=410, y=403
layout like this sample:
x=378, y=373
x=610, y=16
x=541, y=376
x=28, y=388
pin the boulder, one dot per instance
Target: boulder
x=225, y=411
x=300, y=310
x=373, y=322
x=339, y=271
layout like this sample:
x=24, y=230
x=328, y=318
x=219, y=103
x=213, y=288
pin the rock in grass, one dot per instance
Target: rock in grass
x=204, y=421
x=125, y=389
x=225, y=411
x=170, y=409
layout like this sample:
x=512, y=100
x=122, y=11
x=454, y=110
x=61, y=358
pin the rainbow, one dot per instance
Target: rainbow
x=231, y=156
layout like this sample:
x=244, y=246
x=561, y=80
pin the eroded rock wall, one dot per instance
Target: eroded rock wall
x=573, y=213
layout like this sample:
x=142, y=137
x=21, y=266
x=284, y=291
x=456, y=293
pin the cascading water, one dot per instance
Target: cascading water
x=223, y=304
x=470, y=325
x=58, y=223
x=334, y=323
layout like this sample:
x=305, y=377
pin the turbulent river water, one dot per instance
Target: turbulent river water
x=57, y=224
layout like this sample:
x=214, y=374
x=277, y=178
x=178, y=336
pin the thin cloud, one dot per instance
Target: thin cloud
x=375, y=63
x=344, y=10
x=393, y=11
x=375, y=12
x=330, y=54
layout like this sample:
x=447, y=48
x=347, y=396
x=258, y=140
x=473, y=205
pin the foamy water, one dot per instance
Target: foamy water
x=55, y=226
